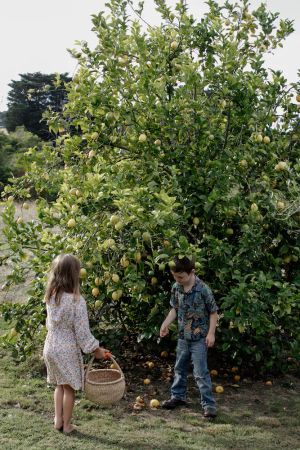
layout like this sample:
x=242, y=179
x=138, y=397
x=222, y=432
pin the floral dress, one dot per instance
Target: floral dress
x=68, y=335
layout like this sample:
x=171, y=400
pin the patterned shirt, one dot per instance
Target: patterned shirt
x=193, y=309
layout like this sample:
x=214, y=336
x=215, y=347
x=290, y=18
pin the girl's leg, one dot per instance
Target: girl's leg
x=68, y=405
x=58, y=407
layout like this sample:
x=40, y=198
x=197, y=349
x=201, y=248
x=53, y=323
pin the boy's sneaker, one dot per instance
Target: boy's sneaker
x=172, y=403
x=209, y=413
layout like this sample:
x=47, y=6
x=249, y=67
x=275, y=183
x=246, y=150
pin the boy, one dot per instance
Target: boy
x=195, y=306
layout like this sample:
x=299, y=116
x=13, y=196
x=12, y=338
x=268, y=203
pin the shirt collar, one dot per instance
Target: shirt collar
x=196, y=286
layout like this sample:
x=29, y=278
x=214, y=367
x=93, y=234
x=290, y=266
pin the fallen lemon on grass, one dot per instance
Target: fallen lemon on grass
x=214, y=373
x=269, y=383
x=147, y=381
x=138, y=406
x=139, y=403
x=164, y=354
x=219, y=389
x=154, y=403
x=236, y=377
x=234, y=369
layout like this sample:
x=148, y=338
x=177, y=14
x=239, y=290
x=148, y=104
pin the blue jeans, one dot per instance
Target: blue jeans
x=197, y=351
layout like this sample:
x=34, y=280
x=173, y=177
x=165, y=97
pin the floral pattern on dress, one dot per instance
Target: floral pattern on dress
x=68, y=336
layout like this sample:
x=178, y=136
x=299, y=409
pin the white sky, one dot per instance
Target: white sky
x=34, y=35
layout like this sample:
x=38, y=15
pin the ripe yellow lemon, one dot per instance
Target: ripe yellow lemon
x=147, y=381
x=71, y=223
x=114, y=219
x=82, y=273
x=154, y=403
x=115, y=277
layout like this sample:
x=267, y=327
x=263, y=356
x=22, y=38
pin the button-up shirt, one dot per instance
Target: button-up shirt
x=193, y=309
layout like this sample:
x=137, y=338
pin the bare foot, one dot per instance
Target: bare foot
x=69, y=429
x=58, y=424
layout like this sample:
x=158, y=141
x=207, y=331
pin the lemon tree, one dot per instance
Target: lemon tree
x=175, y=140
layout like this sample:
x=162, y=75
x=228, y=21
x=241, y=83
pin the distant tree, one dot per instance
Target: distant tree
x=29, y=97
x=3, y=119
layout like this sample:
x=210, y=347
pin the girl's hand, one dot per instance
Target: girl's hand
x=102, y=353
x=164, y=330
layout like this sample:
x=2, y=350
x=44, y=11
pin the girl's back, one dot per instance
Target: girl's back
x=61, y=317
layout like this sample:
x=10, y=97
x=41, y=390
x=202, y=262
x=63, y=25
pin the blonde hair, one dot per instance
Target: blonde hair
x=63, y=277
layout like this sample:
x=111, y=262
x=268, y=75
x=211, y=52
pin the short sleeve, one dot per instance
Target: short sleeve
x=84, y=337
x=209, y=299
x=174, y=299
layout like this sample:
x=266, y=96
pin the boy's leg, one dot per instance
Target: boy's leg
x=58, y=407
x=68, y=405
x=179, y=385
x=202, y=376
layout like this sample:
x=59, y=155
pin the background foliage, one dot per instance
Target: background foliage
x=175, y=140
x=12, y=148
x=30, y=96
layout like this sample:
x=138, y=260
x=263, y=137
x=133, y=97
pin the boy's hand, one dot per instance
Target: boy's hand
x=101, y=353
x=164, y=330
x=210, y=340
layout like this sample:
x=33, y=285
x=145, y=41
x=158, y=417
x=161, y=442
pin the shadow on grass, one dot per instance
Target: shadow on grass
x=117, y=444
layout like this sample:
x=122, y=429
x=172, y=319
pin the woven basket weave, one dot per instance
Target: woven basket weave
x=104, y=386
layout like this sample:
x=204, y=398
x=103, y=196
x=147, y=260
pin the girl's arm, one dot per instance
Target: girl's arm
x=86, y=341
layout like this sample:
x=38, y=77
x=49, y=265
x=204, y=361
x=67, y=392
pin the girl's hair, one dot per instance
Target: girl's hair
x=63, y=277
x=184, y=264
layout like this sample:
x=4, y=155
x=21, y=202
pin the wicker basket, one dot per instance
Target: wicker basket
x=104, y=386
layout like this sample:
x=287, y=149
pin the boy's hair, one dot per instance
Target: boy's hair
x=63, y=277
x=184, y=264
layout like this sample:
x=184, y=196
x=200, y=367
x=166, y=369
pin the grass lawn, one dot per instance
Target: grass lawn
x=253, y=416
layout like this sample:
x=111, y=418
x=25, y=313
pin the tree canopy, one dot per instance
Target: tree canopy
x=186, y=144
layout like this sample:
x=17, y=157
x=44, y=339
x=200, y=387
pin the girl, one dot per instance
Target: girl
x=68, y=333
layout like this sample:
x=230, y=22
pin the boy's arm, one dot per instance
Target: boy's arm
x=210, y=338
x=164, y=329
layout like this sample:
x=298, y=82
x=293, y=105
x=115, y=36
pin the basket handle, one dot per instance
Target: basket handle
x=90, y=363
